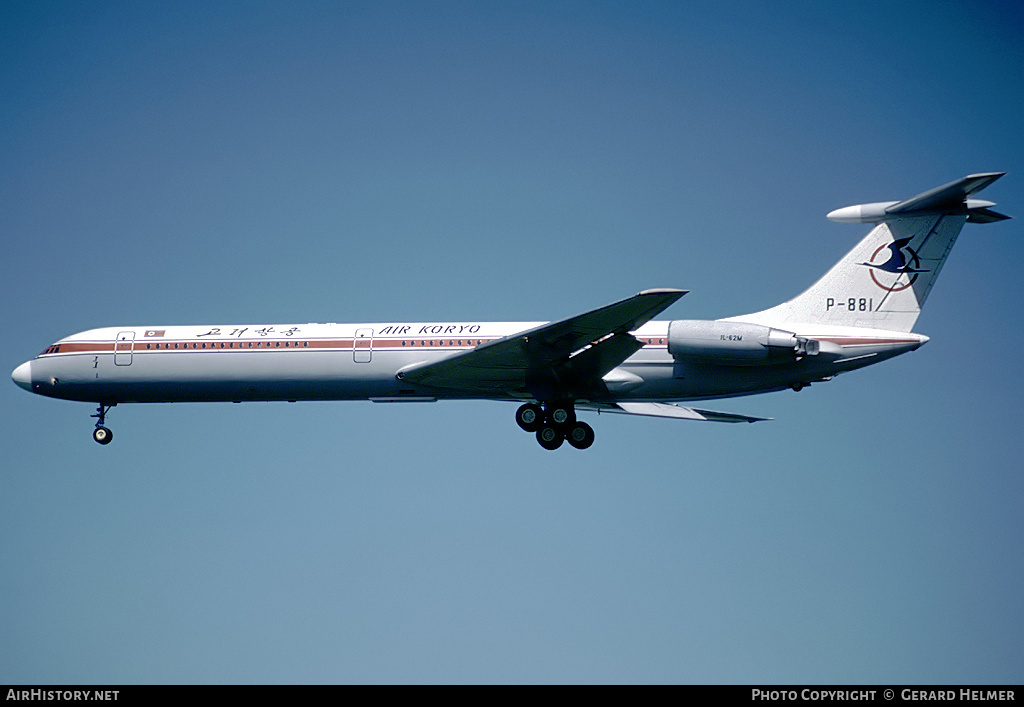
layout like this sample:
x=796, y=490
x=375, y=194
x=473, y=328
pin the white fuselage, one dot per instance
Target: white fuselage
x=361, y=362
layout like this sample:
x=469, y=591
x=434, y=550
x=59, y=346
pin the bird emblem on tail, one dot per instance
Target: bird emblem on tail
x=901, y=260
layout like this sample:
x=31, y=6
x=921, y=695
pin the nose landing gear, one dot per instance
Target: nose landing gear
x=554, y=424
x=102, y=434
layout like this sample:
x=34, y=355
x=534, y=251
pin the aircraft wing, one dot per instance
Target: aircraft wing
x=571, y=352
x=677, y=412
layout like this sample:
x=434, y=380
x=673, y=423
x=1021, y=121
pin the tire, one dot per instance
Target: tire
x=102, y=435
x=562, y=415
x=550, y=437
x=530, y=417
x=581, y=435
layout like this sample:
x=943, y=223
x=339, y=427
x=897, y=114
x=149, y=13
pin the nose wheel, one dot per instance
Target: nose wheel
x=554, y=424
x=102, y=434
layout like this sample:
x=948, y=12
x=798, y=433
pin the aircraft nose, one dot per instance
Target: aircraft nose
x=22, y=375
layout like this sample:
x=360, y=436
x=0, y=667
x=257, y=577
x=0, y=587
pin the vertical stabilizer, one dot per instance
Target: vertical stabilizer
x=884, y=281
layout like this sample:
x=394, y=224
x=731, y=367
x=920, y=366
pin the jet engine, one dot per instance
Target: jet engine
x=736, y=343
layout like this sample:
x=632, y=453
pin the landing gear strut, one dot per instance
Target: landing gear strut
x=554, y=424
x=102, y=434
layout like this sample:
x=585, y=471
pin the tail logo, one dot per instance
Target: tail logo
x=894, y=266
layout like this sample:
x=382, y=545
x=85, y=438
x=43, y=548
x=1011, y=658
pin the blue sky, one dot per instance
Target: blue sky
x=377, y=161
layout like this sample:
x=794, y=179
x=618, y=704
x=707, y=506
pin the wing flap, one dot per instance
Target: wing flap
x=597, y=360
x=677, y=412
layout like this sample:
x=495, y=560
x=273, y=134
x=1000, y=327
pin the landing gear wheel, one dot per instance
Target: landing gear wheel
x=530, y=417
x=102, y=435
x=562, y=414
x=550, y=437
x=581, y=435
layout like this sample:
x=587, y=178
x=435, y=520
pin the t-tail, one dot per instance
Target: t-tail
x=884, y=281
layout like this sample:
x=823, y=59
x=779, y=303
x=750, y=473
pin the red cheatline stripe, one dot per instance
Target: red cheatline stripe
x=142, y=345
x=257, y=345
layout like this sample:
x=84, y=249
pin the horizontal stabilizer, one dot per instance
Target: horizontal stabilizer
x=949, y=199
x=983, y=214
x=677, y=412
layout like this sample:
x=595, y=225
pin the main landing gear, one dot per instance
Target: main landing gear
x=102, y=434
x=554, y=424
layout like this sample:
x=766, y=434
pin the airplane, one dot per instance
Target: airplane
x=612, y=359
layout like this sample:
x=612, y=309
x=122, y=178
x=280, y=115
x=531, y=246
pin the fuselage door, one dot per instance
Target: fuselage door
x=362, y=346
x=124, y=344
